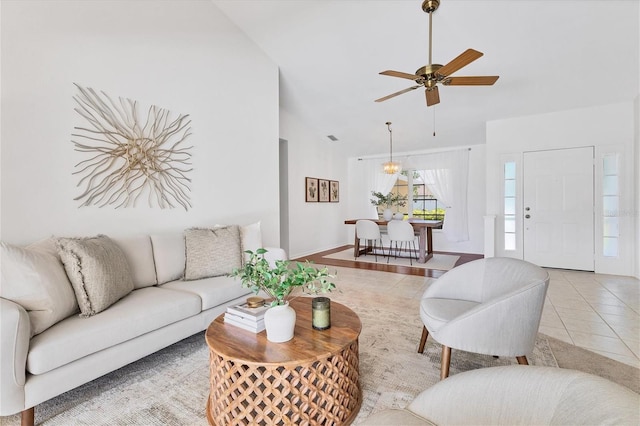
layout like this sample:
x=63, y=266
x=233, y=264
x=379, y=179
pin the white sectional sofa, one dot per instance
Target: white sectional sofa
x=46, y=351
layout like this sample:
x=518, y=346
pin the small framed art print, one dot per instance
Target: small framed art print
x=311, y=190
x=323, y=188
x=334, y=191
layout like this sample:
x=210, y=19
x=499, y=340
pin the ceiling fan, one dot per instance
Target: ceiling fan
x=430, y=75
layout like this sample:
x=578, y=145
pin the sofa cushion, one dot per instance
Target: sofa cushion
x=169, y=256
x=211, y=252
x=98, y=271
x=139, y=254
x=140, y=312
x=34, y=278
x=212, y=291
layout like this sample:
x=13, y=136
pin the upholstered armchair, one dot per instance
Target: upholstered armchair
x=489, y=306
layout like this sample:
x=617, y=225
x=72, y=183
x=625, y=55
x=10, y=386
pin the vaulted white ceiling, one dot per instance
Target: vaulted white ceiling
x=550, y=56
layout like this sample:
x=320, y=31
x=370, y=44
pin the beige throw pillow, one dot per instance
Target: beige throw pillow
x=98, y=271
x=212, y=252
x=34, y=278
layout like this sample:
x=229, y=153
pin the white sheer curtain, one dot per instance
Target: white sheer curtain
x=446, y=175
x=378, y=181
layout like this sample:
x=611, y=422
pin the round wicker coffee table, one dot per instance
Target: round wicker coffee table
x=310, y=380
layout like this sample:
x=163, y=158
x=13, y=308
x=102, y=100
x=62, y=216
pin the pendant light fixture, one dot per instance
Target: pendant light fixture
x=391, y=167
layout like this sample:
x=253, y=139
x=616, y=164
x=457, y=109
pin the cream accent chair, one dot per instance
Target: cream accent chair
x=518, y=395
x=488, y=306
x=401, y=232
x=368, y=230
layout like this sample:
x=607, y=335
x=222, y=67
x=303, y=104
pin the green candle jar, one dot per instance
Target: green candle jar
x=321, y=313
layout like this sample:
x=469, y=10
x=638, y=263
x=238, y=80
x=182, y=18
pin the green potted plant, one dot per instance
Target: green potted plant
x=279, y=282
x=389, y=200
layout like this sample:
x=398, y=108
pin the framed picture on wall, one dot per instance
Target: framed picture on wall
x=323, y=188
x=311, y=190
x=334, y=191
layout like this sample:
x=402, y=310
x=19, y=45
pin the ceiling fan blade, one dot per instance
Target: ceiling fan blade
x=464, y=59
x=400, y=74
x=393, y=95
x=486, y=80
x=433, y=97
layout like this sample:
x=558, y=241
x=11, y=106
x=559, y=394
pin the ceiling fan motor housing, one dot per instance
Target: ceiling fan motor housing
x=428, y=76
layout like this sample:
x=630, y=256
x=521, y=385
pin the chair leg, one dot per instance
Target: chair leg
x=522, y=360
x=446, y=361
x=415, y=250
x=27, y=417
x=423, y=339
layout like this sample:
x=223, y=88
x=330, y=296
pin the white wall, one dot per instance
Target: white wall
x=636, y=179
x=359, y=205
x=317, y=226
x=184, y=56
x=608, y=128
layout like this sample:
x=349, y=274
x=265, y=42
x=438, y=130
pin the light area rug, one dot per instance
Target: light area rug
x=442, y=262
x=171, y=386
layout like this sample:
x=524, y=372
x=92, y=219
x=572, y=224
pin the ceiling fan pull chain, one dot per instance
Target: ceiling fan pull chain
x=434, y=121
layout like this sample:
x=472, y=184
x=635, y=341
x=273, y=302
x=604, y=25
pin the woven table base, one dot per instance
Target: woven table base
x=325, y=391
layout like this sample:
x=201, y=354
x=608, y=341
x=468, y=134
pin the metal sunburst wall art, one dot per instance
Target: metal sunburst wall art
x=131, y=156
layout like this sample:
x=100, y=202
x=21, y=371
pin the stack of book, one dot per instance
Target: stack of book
x=251, y=319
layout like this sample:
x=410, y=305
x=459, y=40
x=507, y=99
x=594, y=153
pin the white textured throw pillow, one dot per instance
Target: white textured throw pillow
x=251, y=237
x=98, y=271
x=34, y=278
x=212, y=252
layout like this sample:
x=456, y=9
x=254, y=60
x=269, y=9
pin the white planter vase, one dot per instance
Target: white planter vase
x=398, y=216
x=280, y=321
x=387, y=214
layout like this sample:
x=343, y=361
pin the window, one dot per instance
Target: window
x=610, y=205
x=509, y=205
x=423, y=203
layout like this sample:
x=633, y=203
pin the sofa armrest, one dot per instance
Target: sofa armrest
x=273, y=254
x=15, y=330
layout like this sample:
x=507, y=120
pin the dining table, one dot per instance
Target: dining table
x=422, y=227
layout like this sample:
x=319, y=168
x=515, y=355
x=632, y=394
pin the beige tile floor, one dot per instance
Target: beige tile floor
x=597, y=312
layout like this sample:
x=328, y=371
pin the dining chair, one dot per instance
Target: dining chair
x=489, y=306
x=402, y=232
x=369, y=231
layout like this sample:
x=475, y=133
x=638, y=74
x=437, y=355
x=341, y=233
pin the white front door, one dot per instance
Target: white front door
x=558, y=208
